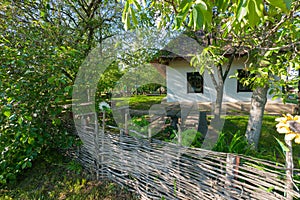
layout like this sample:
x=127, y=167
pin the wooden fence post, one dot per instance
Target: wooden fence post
x=103, y=120
x=97, y=146
x=178, y=185
x=230, y=166
x=289, y=169
x=102, y=142
x=126, y=123
x=179, y=134
x=149, y=134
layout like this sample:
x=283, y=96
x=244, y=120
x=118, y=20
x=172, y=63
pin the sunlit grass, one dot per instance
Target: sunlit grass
x=268, y=147
x=139, y=102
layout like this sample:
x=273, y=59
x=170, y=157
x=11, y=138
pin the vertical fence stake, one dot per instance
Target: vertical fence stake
x=178, y=187
x=230, y=165
x=148, y=157
x=97, y=146
x=126, y=123
x=149, y=134
x=102, y=143
x=179, y=134
x=103, y=120
x=289, y=169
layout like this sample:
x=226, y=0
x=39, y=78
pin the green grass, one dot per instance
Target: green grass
x=57, y=177
x=268, y=147
x=234, y=129
x=139, y=102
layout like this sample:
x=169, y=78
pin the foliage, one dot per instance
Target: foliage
x=108, y=80
x=235, y=142
x=232, y=143
x=167, y=134
x=33, y=92
x=191, y=138
x=198, y=15
x=140, y=121
x=42, y=45
x=139, y=124
x=151, y=88
x=268, y=147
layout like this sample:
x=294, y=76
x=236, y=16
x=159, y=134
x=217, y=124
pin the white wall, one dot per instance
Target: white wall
x=177, y=85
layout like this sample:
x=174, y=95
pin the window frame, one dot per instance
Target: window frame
x=190, y=88
x=240, y=87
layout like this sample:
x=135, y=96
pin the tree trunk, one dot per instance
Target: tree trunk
x=219, y=100
x=258, y=102
x=219, y=86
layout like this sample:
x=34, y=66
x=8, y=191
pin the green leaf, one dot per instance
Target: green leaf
x=51, y=80
x=24, y=165
x=181, y=17
x=20, y=120
x=195, y=17
x=268, y=53
x=42, y=14
x=28, y=117
x=127, y=22
x=241, y=10
x=191, y=19
x=221, y=5
x=56, y=121
x=135, y=22
x=255, y=12
x=206, y=13
x=178, y=22
x=284, y=5
x=282, y=145
x=7, y=113
x=125, y=12
x=183, y=4
x=198, y=17
x=270, y=189
x=137, y=5
x=12, y=117
x=30, y=140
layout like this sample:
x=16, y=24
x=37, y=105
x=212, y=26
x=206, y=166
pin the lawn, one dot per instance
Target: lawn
x=234, y=124
x=139, y=102
x=268, y=146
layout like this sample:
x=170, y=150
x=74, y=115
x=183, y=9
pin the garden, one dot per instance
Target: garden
x=56, y=55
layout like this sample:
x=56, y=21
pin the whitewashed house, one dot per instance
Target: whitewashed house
x=185, y=84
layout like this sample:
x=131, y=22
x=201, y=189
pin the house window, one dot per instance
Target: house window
x=194, y=82
x=240, y=86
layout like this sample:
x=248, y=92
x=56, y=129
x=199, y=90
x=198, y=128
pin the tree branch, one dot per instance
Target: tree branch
x=283, y=19
x=281, y=48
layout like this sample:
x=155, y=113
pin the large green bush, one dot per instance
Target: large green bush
x=34, y=90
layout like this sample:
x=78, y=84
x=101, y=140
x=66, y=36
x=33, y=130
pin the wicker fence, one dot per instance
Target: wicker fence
x=158, y=170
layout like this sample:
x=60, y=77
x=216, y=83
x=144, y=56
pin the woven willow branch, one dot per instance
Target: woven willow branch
x=154, y=169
